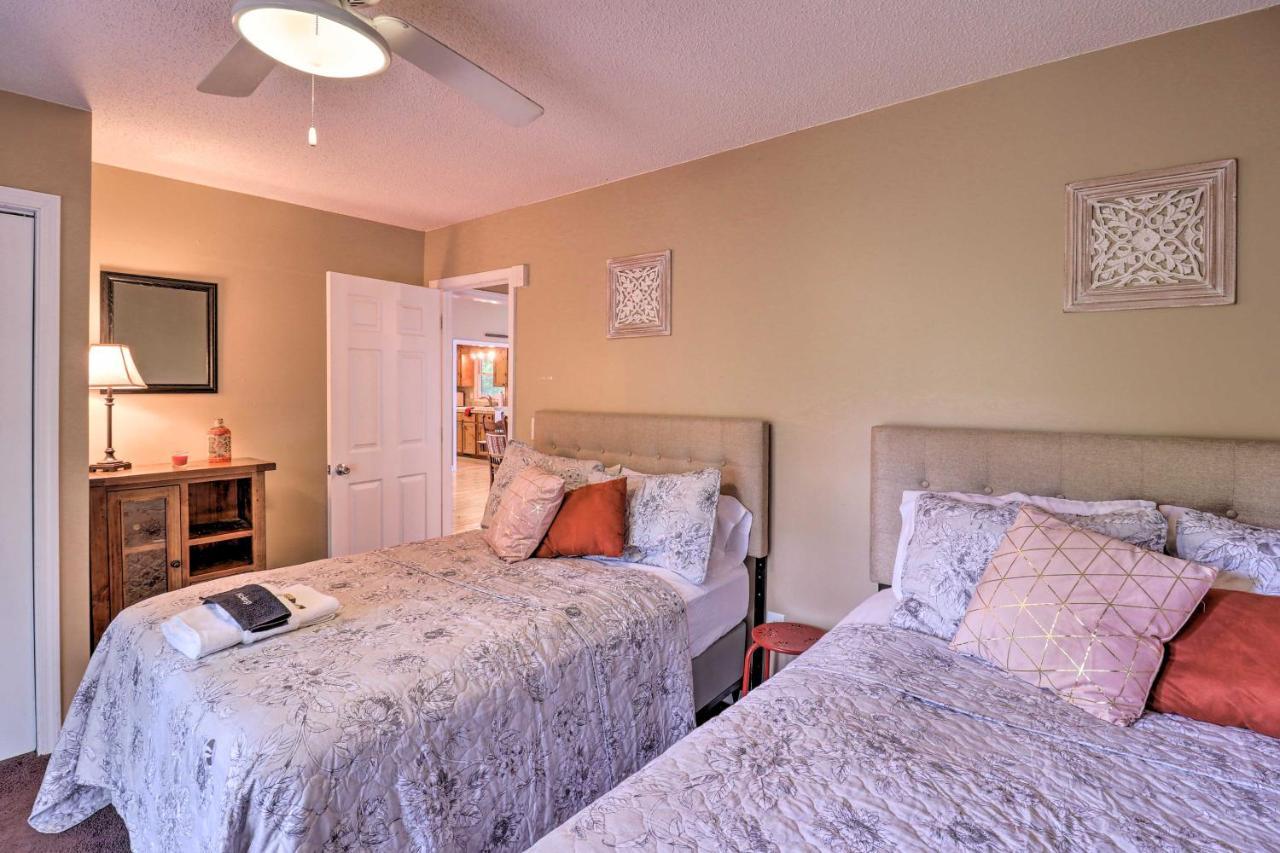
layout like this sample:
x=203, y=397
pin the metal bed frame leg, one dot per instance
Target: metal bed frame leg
x=761, y=575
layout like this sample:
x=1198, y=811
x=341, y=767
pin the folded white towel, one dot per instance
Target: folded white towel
x=207, y=628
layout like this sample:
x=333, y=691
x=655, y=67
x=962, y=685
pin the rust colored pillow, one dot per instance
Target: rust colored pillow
x=592, y=522
x=1222, y=667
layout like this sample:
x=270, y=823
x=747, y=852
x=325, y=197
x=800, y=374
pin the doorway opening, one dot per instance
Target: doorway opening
x=479, y=310
x=482, y=373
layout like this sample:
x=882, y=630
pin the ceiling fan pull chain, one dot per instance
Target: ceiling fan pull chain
x=311, y=131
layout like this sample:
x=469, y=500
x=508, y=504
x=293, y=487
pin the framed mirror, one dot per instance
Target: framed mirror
x=170, y=326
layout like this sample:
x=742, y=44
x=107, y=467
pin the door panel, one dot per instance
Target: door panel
x=413, y=507
x=145, y=529
x=17, y=555
x=385, y=386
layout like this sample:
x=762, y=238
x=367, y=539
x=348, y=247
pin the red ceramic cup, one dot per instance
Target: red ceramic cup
x=179, y=459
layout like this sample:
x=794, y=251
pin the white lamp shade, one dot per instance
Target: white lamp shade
x=313, y=36
x=111, y=366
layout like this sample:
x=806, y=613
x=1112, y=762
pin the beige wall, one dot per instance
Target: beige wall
x=46, y=148
x=906, y=266
x=269, y=260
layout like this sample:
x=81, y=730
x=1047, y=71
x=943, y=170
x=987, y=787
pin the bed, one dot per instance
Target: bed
x=881, y=738
x=455, y=702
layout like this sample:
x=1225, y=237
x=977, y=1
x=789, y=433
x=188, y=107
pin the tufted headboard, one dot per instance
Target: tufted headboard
x=1238, y=479
x=666, y=444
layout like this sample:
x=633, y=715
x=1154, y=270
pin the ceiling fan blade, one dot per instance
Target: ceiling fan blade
x=239, y=72
x=452, y=68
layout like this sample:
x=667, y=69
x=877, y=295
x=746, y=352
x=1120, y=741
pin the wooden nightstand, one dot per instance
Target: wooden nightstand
x=156, y=528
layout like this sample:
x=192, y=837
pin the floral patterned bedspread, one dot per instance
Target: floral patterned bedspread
x=881, y=738
x=455, y=703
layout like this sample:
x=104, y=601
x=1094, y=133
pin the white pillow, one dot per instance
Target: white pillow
x=733, y=530
x=1058, y=505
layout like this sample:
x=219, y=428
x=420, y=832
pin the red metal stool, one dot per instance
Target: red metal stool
x=788, y=638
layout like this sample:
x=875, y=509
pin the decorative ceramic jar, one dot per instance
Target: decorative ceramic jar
x=219, y=442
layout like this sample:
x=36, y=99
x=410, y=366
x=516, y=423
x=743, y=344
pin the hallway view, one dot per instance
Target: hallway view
x=470, y=490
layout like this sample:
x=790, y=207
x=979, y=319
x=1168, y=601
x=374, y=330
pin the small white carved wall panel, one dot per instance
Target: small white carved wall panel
x=640, y=295
x=1164, y=238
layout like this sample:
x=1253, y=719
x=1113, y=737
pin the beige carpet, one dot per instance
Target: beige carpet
x=20, y=777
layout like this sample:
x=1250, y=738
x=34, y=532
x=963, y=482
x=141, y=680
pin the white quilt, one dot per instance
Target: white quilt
x=882, y=739
x=455, y=703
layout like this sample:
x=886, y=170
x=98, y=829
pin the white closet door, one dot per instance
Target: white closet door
x=385, y=387
x=17, y=556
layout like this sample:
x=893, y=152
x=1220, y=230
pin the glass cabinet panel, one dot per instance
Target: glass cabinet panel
x=145, y=543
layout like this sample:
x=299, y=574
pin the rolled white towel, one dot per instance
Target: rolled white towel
x=207, y=628
x=201, y=630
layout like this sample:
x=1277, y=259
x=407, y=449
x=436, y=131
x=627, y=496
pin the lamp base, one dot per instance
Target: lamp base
x=110, y=465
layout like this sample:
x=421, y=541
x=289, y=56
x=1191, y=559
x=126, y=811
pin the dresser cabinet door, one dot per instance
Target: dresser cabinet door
x=469, y=438
x=144, y=543
x=500, y=369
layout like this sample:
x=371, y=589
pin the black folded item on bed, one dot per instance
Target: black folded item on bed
x=253, y=607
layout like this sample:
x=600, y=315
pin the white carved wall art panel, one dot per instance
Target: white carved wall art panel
x=1164, y=238
x=640, y=295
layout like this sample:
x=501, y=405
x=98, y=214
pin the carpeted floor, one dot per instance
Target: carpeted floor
x=20, y=778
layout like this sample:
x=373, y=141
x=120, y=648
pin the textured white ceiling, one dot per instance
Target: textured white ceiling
x=629, y=86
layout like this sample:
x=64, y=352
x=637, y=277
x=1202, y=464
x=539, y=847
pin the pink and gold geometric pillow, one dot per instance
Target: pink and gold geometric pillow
x=1079, y=613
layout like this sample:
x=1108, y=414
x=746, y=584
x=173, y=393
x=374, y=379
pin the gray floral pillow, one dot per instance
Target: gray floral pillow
x=948, y=552
x=1145, y=527
x=670, y=521
x=953, y=543
x=1251, y=553
x=574, y=472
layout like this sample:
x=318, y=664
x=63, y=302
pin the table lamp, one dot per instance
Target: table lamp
x=111, y=366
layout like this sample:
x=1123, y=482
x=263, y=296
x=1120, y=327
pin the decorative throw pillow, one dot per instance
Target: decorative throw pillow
x=1082, y=614
x=592, y=521
x=1221, y=668
x=519, y=456
x=670, y=521
x=954, y=538
x=951, y=546
x=528, y=505
x=1248, y=556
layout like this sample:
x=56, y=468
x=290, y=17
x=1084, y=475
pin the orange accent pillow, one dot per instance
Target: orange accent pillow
x=1222, y=667
x=592, y=522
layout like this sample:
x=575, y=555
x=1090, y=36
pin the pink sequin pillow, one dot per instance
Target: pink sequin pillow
x=1080, y=613
x=528, y=507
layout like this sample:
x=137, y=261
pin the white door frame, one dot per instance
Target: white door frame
x=512, y=277
x=47, y=210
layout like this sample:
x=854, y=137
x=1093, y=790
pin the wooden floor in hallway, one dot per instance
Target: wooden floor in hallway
x=470, y=491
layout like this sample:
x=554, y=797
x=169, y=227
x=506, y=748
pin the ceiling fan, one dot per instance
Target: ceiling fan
x=329, y=38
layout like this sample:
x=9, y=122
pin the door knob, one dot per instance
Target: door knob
x=175, y=564
x=341, y=470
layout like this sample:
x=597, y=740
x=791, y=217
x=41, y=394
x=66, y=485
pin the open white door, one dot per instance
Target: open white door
x=385, y=430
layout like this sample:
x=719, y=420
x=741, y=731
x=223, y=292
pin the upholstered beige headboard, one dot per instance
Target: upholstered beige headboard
x=665, y=444
x=1239, y=479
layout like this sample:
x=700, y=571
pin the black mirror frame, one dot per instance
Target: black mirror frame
x=107, y=323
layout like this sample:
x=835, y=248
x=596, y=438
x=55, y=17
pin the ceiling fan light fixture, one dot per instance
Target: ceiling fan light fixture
x=313, y=36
